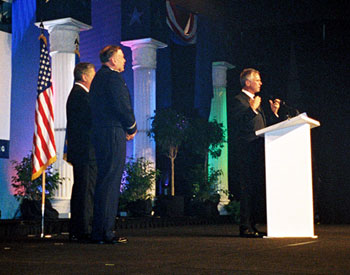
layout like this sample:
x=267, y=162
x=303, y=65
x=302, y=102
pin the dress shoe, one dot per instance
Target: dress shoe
x=73, y=238
x=249, y=234
x=116, y=240
x=260, y=233
x=83, y=238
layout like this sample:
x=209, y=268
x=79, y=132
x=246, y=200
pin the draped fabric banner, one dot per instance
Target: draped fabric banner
x=188, y=34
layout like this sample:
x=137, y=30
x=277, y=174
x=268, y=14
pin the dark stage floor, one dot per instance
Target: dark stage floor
x=190, y=249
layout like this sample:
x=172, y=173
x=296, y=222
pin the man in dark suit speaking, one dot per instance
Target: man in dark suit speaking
x=113, y=123
x=249, y=117
x=80, y=152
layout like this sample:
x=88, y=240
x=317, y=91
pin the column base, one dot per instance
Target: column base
x=62, y=206
x=221, y=207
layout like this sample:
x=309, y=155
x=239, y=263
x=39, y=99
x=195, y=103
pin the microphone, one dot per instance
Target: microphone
x=287, y=110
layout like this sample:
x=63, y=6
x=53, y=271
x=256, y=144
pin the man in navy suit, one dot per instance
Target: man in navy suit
x=249, y=117
x=80, y=152
x=113, y=124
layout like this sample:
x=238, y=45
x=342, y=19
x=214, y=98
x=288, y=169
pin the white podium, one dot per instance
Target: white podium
x=289, y=199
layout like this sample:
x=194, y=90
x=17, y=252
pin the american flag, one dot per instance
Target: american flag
x=44, y=148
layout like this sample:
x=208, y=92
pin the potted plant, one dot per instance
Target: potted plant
x=168, y=129
x=139, y=178
x=204, y=190
x=203, y=138
x=233, y=209
x=29, y=193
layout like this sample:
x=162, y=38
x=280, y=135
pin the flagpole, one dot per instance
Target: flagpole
x=43, y=174
x=43, y=204
x=44, y=147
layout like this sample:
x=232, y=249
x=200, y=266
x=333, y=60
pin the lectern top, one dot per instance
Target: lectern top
x=300, y=119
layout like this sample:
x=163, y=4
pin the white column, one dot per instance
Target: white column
x=63, y=34
x=5, y=90
x=144, y=61
x=218, y=112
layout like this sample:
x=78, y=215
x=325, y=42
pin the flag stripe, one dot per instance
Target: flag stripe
x=43, y=128
x=48, y=123
x=38, y=163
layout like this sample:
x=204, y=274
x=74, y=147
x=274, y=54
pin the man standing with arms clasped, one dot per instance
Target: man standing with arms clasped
x=249, y=117
x=113, y=123
x=80, y=153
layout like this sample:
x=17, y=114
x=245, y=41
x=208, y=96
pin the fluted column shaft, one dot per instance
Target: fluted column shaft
x=63, y=34
x=144, y=63
x=218, y=112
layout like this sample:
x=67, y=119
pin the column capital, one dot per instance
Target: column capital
x=229, y=66
x=63, y=33
x=144, y=52
x=219, y=73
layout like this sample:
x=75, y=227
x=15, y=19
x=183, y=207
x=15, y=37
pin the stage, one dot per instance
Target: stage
x=181, y=249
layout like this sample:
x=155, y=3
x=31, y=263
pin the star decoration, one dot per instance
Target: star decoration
x=135, y=17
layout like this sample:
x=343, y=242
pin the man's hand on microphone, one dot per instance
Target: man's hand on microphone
x=275, y=105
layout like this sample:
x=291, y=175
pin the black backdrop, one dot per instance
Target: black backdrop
x=307, y=65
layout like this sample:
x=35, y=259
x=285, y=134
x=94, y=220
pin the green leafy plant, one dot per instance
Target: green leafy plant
x=168, y=129
x=25, y=188
x=139, y=178
x=205, y=137
x=233, y=209
x=204, y=190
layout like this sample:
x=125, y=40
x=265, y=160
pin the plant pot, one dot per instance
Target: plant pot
x=203, y=208
x=31, y=210
x=169, y=206
x=139, y=208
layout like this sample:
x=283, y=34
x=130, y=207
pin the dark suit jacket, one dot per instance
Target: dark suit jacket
x=79, y=148
x=110, y=101
x=246, y=121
